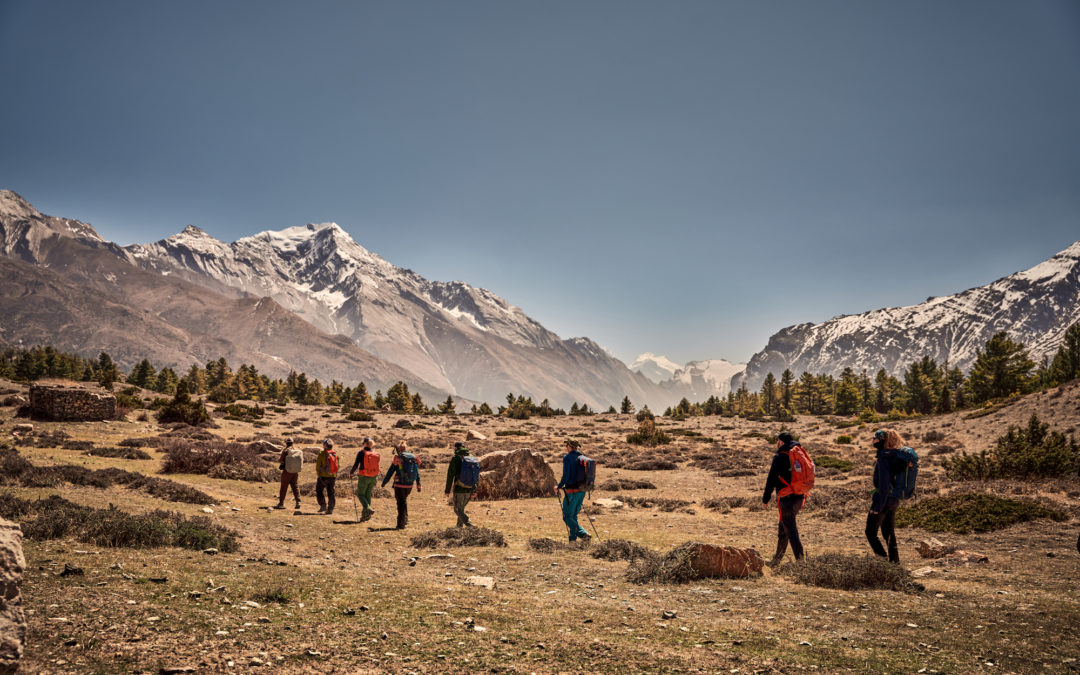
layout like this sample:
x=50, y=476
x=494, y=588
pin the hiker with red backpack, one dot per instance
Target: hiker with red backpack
x=792, y=476
x=326, y=470
x=405, y=470
x=894, y=479
x=462, y=476
x=367, y=463
x=575, y=483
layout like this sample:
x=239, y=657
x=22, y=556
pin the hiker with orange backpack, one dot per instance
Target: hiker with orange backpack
x=326, y=470
x=792, y=476
x=367, y=463
x=405, y=470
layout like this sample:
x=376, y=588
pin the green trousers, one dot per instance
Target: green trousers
x=365, y=488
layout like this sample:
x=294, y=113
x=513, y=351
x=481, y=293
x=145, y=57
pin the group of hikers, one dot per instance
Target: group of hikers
x=791, y=477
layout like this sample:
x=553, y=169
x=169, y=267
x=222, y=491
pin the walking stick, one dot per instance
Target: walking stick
x=598, y=539
x=356, y=497
x=559, y=497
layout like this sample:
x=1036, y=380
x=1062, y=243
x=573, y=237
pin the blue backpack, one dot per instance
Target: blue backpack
x=410, y=468
x=469, y=475
x=586, y=473
x=903, y=482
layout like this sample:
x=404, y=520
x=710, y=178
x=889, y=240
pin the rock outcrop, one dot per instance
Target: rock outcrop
x=12, y=619
x=517, y=474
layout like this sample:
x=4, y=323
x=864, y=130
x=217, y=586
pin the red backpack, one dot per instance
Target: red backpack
x=331, y=462
x=371, y=464
x=802, y=473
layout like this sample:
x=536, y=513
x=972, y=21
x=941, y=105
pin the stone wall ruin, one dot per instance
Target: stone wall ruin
x=70, y=404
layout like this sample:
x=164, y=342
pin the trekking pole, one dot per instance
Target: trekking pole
x=559, y=497
x=356, y=498
x=598, y=539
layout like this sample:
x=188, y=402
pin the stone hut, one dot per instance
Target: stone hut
x=70, y=403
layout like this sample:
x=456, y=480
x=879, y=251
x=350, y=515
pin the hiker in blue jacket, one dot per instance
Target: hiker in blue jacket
x=573, y=486
x=462, y=493
x=883, y=503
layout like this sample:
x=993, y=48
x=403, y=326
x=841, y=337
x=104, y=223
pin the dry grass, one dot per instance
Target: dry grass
x=673, y=567
x=458, y=536
x=850, y=573
x=620, y=549
x=618, y=484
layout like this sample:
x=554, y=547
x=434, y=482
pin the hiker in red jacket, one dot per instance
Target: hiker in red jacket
x=788, y=503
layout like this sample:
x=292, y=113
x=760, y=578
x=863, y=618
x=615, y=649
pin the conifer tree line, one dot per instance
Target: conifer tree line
x=1002, y=368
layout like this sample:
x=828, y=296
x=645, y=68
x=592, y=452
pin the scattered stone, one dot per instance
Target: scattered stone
x=207, y=509
x=923, y=572
x=12, y=619
x=669, y=614
x=71, y=571
x=252, y=604
x=482, y=582
x=349, y=612
x=312, y=653
x=609, y=503
x=934, y=548
x=176, y=670
x=962, y=558
x=473, y=435
x=23, y=429
x=210, y=551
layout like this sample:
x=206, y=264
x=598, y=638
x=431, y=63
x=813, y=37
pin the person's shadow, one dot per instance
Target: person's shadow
x=382, y=529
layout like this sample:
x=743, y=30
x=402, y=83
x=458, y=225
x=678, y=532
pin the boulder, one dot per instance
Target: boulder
x=482, y=582
x=12, y=619
x=514, y=474
x=726, y=561
x=932, y=548
x=962, y=558
x=472, y=435
x=15, y=400
x=265, y=447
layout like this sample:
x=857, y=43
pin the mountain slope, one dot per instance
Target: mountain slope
x=456, y=337
x=62, y=284
x=1034, y=306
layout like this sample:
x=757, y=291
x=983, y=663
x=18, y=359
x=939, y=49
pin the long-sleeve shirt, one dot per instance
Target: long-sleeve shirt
x=453, y=471
x=884, y=468
x=322, y=465
x=779, y=473
x=395, y=471
x=359, y=463
x=570, y=470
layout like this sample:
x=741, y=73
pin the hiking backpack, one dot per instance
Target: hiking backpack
x=802, y=471
x=294, y=460
x=903, y=482
x=371, y=464
x=331, y=462
x=410, y=468
x=469, y=475
x=586, y=473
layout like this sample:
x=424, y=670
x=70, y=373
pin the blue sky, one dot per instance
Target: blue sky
x=678, y=177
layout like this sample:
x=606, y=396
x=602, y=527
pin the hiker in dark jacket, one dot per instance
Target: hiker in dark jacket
x=365, y=484
x=788, y=503
x=402, y=487
x=461, y=493
x=326, y=478
x=573, y=487
x=883, y=504
x=292, y=460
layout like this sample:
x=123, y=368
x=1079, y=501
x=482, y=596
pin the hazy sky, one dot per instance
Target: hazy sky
x=678, y=177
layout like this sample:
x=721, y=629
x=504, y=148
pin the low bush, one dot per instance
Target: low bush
x=182, y=408
x=237, y=461
x=665, y=504
x=933, y=436
x=616, y=484
x=360, y=416
x=966, y=512
x=135, y=442
x=724, y=504
x=620, y=549
x=77, y=445
x=511, y=432
x=278, y=595
x=546, y=545
x=459, y=536
x=56, y=517
x=1023, y=452
x=673, y=567
x=241, y=412
x=844, y=439
x=829, y=462
x=119, y=453
x=650, y=464
x=648, y=434
x=851, y=572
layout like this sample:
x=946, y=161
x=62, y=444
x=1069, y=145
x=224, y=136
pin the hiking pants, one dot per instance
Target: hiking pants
x=788, y=530
x=365, y=488
x=288, y=480
x=571, y=505
x=884, y=520
x=461, y=500
x=401, y=496
x=329, y=484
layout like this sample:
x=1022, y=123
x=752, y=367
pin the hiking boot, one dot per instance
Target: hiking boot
x=297, y=506
x=280, y=506
x=322, y=509
x=329, y=512
x=366, y=516
x=774, y=563
x=585, y=538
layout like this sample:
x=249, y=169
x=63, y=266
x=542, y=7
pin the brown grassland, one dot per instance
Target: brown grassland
x=307, y=594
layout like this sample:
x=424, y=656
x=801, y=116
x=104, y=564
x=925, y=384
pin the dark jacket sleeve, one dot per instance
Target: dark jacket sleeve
x=567, y=470
x=452, y=472
x=780, y=468
x=390, y=474
x=359, y=460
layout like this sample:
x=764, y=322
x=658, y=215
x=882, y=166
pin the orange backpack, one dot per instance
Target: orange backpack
x=371, y=464
x=802, y=473
x=331, y=462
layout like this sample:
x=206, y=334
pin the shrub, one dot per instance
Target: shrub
x=546, y=545
x=648, y=434
x=241, y=412
x=651, y=464
x=933, y=436
x=120, y=453
x=727, y=503
x=1029, y=452
x=844, y=439
x=620, y=549
x=665, y=504
x=617, y=484
x=851, y=572
x=360, y=416
x=459, y=536
x=135, y=442
x=278, y=595
x=674, y=567
x=972, y=512
x=828, y=462
x=182, y=408
x=511, y=432
x=237, y=461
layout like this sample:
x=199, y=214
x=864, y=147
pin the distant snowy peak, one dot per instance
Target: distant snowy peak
x=1035, y=306
x=23, y=228
x=715, y=372
x=655, y=368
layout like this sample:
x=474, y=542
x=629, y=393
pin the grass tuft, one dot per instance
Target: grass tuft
x=851, y=572
x=673, y=567
x=459, y=536
x=620, y=549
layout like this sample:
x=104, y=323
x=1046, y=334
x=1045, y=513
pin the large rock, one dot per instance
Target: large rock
x=12, y=619
x=726, y=561
x=473, y=435
x=933, y=548
x=514, y=475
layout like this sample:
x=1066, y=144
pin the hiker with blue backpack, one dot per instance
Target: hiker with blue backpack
x=894, y=480
x=405, y=470
x=462, y=476
x=578, y=474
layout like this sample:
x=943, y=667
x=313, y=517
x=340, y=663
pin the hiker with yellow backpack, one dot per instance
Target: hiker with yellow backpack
x=792, y=476
x=367, y=463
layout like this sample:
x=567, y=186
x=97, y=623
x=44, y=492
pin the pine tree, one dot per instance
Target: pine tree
x=770, y=395
x=1066, y=364
x=627, y=408
x=417, y=404
x=1002, y=369
x=107, y=372
x=142, y=375
x=165, y=382
x=398, y=398
x=447, y=407
x=787, y=379
x=484, y=409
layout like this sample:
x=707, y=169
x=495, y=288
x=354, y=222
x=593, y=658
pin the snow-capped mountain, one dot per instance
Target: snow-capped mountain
x=1034, y=306
x=456, y=337
x=656, y=368
x=704, y=378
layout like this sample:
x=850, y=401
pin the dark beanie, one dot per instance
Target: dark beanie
x=785, y=437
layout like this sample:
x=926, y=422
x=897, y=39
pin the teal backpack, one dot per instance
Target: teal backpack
x=903, y=482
